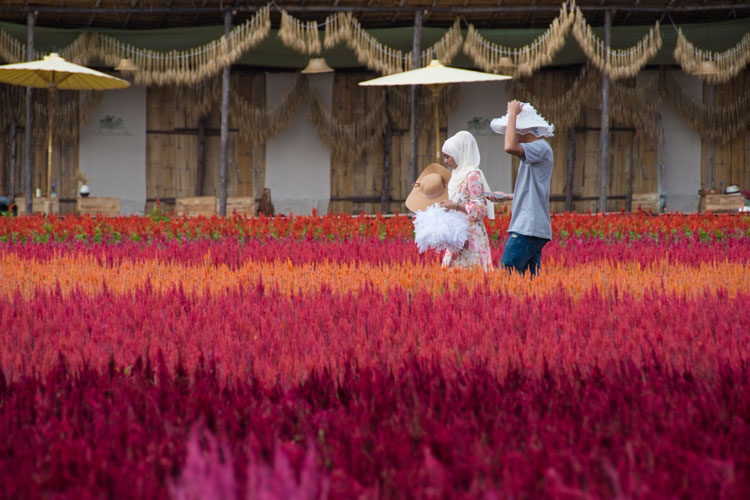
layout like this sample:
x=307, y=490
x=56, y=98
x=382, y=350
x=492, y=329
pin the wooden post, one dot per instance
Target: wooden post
x=12, y=157
x=710, y=99
x=224, y=122
x=604, y=138
x=571, y=164
x=385, y=189
x=629, y=177
x=28, y=180
x=413, y=128
x=200, y=173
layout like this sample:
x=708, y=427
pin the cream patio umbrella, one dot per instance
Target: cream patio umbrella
x=53, y=73
x=435, y=76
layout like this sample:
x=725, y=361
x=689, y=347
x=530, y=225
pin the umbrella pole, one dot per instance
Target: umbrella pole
x=50, y=127
x=435, y=97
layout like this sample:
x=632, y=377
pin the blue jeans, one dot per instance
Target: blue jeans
x=523, y=252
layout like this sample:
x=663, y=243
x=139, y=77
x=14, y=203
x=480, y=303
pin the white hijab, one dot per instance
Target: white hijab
x=463, y=148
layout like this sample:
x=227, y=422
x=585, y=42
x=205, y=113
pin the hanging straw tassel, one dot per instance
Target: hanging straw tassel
x=720, y=123
x=522, y=61
x=562, y=110
x=444, y=49
x=348, y=140
x=616, y=64
x=303, y=37
x=724, y=65
x=343, y=27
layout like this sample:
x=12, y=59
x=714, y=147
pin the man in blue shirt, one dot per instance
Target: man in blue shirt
x=530, y=227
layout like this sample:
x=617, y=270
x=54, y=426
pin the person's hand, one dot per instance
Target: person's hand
x=514, y=107
x=497, y=196
x=452, y=205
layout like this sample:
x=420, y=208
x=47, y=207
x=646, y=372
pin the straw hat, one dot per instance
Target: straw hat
x=528, y=121
x=431, y=187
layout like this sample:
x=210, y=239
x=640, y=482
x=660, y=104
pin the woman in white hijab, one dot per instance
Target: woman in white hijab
x=466, y=190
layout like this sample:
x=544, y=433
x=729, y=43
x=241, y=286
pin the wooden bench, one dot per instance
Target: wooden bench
x=718, y=203
x=38, y=205
x=646, y=201
x=100, y=205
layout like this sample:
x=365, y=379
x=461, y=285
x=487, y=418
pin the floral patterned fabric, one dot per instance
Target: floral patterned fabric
x=477, y=248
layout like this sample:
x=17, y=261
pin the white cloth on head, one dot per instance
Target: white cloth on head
x=463, y=148
x=528, y=121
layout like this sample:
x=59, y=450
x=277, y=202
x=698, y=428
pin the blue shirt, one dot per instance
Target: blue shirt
x=531, y=194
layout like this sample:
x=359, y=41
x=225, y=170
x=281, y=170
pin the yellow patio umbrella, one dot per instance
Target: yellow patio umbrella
x=435, y=76
x=53, y=73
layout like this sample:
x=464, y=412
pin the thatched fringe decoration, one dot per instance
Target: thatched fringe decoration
x=445, y=49
x=72, y=112
x=714, y=67
x=299, y=35
x=188, y=66
x=638, y=106
x=495, y=58
x=616, y=63
x=718, y=123
x=342, y=26
x=261, y=123
x=400, y=105
x=348, y=140
x=199, y=99
x=564, y=110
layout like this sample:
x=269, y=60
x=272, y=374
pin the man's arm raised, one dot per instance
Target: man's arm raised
x=512, y=146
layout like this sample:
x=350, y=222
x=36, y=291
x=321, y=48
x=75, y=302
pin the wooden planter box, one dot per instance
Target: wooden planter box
x=647, y=201
x=37, y=205
x=242, y=205
x=721, y=202
x=109, y=207
x=193, y=206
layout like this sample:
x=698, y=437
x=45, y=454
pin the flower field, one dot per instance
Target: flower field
x=324, y=357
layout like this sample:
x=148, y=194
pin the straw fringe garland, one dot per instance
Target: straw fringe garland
x=445, y=49
x=194, y=65
x=723, y=65
x=640, y=106
x=524, y=61
x=616, y=63
x=158, y=68
x=564, y=110
x=342, y=26
x=299, y=35
x=349, y=140
x=72, y=112
x=719, y=123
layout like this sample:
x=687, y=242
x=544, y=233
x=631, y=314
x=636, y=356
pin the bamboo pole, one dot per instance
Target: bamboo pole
x=224, y=123
x=50, y=134
x=28, y=180
x=385, y=188
x=629, y=177
x=12, y=158
x=201, y=167
x=604, y=136
x=570, y=166
x=413, y=128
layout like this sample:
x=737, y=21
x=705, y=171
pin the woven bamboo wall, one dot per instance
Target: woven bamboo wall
x=64, y=165
x=622, y=138
x=732, y=158
x=172, y=147
x=364, y=179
